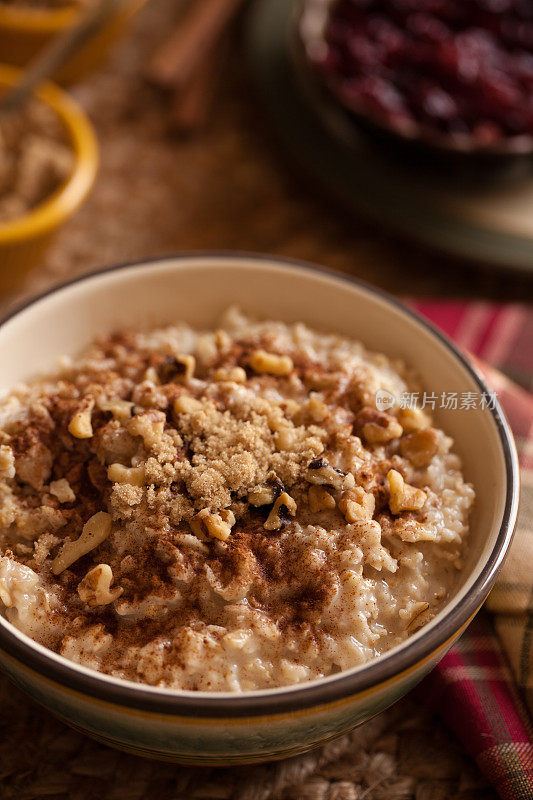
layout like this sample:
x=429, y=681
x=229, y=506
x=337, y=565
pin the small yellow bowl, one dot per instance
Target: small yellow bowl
x=24, y=240
x=25, y=31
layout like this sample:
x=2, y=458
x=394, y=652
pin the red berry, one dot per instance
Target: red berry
x=452, y=66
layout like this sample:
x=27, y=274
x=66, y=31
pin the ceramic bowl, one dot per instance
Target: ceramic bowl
x=308, y=46
x=25, y=239
x=225, y=728
x=25, y=31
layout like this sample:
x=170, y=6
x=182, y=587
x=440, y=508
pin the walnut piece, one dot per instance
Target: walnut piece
x=419, y=617
x=263, y=496
x=120, y=409
x=80, y=426
x=94, y=532
x=149, y=426
x=222, y=340
x=413, y=419
x=230, y=374
x=117, y=473
x=420, y=446
x=357, y=505
x=182, y=367
x=217, y=526
x=320, y=472
x=403, y=496
x=185, y=404
x=320, y=499
x=274, y=521
x=151, y=375
x=318, y=410
x=95, y=588
x=261, y=361
x=266, y=494
x=377, y=427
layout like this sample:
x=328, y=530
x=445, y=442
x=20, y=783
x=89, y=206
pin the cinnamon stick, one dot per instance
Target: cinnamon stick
x=176, y=60
x=192, y=104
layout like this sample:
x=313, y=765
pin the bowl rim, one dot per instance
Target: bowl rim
x=325, y=691
x=37, y=20
x=71, y=193
x=49, y=21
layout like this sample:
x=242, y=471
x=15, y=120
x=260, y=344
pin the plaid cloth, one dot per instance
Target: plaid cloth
x=480, y=686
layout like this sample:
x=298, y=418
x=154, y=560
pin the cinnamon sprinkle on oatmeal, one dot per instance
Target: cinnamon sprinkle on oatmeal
x=194, y=510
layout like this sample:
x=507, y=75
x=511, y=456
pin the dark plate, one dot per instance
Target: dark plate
x=308, y=39
x=474, y=217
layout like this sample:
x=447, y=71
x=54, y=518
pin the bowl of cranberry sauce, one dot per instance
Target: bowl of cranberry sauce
x=453, y=74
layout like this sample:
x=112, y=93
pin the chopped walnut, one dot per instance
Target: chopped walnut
x=320, y=499
x=120, y=409
x=262, y=496
x=230, y=374
x=377, y=427
x=151, y=375
x=80, y=426
x=420, y=446
x=94, y=532
x=357, y=505
x=62, y=490
x=320, y=472
x=117, y=473
x=261, y=361
x=291, y=407
x=185, y=404
x=149, y=426
x=222, y=340
x=284, y=501
x=413, y=419
x=217, y=526
x=181, y=367
x=420, y=615
x=266, y=494
x=403, y=496
x=318, y=410
x=95, y=588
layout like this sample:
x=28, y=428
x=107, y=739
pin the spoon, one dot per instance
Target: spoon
x=56, y=53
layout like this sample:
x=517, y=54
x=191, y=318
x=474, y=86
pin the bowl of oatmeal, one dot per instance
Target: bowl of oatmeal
x=48, y=163
x=28, y=26
x=237, y=519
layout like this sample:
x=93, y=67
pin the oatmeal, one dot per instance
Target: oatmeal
x=35, y=158
x=225, y=510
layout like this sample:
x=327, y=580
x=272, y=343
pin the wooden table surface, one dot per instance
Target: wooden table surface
x=228, y=187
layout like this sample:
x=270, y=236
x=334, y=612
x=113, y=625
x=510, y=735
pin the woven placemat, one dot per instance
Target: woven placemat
x=402, y=754
x=156, y=195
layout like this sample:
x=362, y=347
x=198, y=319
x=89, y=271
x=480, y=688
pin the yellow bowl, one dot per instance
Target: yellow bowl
x=24, y=239
x=25, y=31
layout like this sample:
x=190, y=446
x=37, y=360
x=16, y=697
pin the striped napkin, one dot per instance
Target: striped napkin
x=483, y=688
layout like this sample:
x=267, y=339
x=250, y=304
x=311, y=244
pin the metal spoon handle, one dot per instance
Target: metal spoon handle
x=57, y=52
